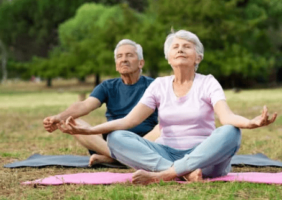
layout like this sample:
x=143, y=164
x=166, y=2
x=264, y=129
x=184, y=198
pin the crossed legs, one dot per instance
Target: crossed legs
x=211, y=158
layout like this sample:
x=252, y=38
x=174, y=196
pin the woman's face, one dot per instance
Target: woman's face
x=182, y=52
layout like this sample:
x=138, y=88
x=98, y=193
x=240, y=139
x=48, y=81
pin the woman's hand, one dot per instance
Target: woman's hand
x=262, y=120
x=73, y=127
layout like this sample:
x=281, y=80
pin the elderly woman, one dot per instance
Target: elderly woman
x=190, y=146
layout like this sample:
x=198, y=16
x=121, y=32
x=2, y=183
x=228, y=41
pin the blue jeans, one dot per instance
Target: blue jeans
x=213, y=155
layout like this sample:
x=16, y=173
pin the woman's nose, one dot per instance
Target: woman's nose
x=180, y=50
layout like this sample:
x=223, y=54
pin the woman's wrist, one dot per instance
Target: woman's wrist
x=90, y=130
x=249, y=124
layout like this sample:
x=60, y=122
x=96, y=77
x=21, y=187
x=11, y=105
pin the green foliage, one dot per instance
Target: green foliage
x=237, y=35
x=31, y=25
x=18, y=70
x=242, y=38
x=151, y=35
x=90, y=37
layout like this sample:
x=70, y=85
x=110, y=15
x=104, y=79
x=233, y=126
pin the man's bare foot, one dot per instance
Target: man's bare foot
x=195, y=176
x=96, y=159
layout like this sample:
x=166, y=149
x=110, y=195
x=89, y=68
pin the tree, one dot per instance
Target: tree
x=32, y=25
x=3, y=58
x=90, y=37
x=235, y=33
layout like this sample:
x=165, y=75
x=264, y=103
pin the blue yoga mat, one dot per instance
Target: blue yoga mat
x=256, y=160
x=37, y=160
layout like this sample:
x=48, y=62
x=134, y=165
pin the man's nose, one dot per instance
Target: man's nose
x=124, y=59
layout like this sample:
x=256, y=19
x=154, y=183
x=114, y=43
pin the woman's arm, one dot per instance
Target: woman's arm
x=138, y=114
x=226, y=116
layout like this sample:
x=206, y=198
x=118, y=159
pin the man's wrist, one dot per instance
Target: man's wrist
x=58, y=117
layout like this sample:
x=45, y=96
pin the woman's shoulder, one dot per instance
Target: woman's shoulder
x=161, y=82
x=164, y=78
x=206, y=78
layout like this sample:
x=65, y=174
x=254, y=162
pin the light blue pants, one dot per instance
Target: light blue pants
x=213, y=155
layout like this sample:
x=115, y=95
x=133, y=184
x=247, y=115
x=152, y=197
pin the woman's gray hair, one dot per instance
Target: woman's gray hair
x=138, y=47
x=186, y=35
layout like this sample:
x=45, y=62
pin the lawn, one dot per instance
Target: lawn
x=23, y=107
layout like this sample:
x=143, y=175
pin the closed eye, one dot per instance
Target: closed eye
x=188, y=46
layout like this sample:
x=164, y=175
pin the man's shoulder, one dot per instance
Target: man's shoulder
x=110, y=82
x=147, y=78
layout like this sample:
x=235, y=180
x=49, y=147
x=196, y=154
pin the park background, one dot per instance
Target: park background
x=52, y=53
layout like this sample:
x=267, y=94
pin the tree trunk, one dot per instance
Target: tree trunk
x=4, y=62
x=153, y=72
x=81, y=79
x=49, y=82
x=97, y=79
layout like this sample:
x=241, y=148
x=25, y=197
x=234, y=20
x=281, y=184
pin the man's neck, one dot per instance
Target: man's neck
x=130, y=79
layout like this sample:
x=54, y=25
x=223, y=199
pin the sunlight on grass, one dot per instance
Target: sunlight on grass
x=255, y=96
x=22, y=134
x=33, y=100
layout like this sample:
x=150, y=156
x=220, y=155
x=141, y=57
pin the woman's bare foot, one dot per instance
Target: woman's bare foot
x=195, y=176
x=96, y=159
x=144, y=177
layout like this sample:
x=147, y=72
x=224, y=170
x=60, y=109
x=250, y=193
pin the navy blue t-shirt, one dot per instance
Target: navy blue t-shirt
x=120, y=99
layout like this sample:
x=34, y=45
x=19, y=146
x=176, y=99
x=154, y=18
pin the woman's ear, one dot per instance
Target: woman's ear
x=198, y=59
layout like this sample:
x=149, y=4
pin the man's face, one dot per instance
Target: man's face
x=127, y=60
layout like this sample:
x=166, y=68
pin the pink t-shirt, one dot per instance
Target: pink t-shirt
x=188, y=120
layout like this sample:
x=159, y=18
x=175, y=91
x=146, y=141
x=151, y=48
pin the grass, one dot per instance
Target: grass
x=21, y=134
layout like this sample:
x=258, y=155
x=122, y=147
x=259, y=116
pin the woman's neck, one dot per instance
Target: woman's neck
x=183, y=75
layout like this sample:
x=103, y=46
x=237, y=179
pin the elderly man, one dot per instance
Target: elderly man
x=120, y=96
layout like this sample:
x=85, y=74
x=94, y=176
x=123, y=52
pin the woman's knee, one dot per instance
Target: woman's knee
x=229, y=133
x=117, y=136
x=232, y=133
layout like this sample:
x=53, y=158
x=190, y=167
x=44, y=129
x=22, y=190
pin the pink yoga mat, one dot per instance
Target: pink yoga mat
x=111, y=178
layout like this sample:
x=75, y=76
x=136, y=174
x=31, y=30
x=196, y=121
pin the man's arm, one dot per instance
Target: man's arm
x=80, y=108
x=153, y=134
x=76, y=110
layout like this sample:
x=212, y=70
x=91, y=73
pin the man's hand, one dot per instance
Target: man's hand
x=73, y=127
x=50, y=123
x=262, y=120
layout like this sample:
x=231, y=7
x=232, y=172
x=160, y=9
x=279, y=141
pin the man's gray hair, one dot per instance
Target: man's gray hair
x=186, y=35
x=138, y=47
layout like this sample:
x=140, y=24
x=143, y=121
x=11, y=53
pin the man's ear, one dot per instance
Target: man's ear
x=141, y=64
